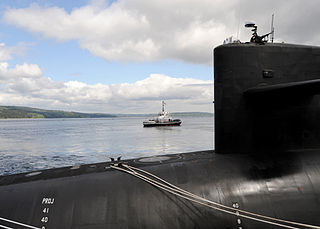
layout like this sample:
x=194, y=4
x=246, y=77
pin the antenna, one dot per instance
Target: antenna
x=238, y=29
x=272, y=28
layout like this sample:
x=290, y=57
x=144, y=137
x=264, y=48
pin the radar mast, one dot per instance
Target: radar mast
x=260, y=39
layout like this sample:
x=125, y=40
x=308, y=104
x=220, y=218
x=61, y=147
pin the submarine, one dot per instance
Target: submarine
x=263, y=173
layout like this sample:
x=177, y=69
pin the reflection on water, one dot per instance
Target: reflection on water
x=27, y=145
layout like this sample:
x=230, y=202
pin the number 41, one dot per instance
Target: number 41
x=45, y=210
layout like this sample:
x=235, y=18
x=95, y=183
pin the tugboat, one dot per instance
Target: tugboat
x=163, y=119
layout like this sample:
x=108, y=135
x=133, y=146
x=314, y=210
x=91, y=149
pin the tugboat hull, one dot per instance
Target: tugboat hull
x=150, y=124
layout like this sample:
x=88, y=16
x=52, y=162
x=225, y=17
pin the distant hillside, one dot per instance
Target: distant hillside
x=174, y=114
x=28, y=112
x=197, y=114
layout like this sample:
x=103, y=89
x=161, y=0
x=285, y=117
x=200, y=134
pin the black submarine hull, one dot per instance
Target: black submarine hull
x=266, y=159
x=96, y=196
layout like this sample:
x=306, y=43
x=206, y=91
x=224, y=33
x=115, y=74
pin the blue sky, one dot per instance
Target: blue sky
x=64, y=61
x=126, y=56
x=66, y=4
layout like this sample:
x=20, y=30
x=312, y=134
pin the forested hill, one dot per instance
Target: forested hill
x=28, y=112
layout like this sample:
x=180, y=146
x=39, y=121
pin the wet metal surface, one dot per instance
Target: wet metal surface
x=96, y=196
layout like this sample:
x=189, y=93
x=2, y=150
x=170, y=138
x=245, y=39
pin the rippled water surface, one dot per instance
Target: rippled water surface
x=33, y=144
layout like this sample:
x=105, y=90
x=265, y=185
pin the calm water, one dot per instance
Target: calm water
x=28, y=145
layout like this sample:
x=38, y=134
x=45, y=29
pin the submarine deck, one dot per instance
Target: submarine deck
x=102, y=167
x=97, y=196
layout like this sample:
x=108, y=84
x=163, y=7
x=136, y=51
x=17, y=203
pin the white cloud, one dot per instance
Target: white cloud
x=131, y=30
x=6, y=52
x=187, y=30
x=26, y=85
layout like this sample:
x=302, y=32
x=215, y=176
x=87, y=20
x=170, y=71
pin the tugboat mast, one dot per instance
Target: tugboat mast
x=163, y=103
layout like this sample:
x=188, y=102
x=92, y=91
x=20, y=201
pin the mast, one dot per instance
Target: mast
x=272, y=28
x=163, y=106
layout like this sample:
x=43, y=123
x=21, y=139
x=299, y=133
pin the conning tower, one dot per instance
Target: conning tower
x=266, y=97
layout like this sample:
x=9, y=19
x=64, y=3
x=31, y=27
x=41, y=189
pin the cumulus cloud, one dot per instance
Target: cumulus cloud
x=7, y=52
x=26, y=85
x=133, y=30
x=187, y=30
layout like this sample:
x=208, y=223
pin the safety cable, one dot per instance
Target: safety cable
x=15, y=222
x=18, y=223
x=5, y=227
x=192, y=197
x=220, y=205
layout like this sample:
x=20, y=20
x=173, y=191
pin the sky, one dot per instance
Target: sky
x=126, y=56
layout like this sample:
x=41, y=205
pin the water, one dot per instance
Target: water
x=33, y=144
